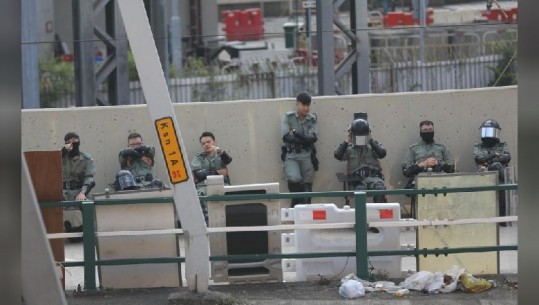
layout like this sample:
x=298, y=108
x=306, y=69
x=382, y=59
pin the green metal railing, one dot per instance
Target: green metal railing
x=361, y=253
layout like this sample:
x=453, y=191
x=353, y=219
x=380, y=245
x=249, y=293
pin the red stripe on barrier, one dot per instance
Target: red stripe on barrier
x=319, y=215
x=386, y=213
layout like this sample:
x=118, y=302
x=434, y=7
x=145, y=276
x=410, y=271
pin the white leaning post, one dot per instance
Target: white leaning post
x=197, y=252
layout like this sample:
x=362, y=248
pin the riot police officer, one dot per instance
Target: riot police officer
x=299, y=132
x=492, y=155
x=363, y=153
x=211, y=161
x=78, y=172
x=426, y=156
x=138, y=159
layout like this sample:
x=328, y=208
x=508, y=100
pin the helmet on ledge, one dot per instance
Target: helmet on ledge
x=125, y=181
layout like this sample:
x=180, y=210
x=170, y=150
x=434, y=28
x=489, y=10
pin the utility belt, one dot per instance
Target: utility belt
x=71, y=185
x=365, y=172
x=298, y=148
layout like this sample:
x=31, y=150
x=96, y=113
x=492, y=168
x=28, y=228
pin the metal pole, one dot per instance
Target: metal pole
x=160, y=33
x=359, y=15
x=326, y=48
x=362, y=263
x=422, y=24
x=197, y=251
x=83, y=32
x=308, y=28
x=88, y=236
x=30, y=66
x=176, y=39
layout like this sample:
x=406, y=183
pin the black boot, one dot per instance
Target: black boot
x=307, y=187
x=294, y=187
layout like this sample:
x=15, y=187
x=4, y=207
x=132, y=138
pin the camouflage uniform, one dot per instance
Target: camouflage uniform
x=494, y=158
x=363, y=162
x=77, y=177
x=420, y=152
x=298, y=166
x=298, y=162
x=211, y=164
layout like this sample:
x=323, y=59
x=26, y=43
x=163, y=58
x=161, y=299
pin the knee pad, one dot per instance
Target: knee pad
x=379, y=186
x=360, y=187
x=496, y=166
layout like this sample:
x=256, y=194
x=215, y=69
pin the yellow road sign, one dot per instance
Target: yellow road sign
x=171, y=150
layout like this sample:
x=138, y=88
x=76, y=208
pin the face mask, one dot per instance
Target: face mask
x=489, y=142
x=427, y=136
x=75, y=150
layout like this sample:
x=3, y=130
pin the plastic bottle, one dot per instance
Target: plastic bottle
x=402, y=292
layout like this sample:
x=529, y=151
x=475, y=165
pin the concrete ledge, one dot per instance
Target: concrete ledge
x=208, y=298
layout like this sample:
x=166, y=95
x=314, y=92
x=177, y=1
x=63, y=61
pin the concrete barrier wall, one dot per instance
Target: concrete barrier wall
x=250, y=131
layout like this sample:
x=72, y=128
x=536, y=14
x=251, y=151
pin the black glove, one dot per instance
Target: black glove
x=377, y=148
x=411, y=170
x=290, y=138
x=305, y=138
x=143, y=150
x=201, y=174
x=502, y=159
x=448, y=168
x=130, y=152
x=225, y=157
x=283, y=153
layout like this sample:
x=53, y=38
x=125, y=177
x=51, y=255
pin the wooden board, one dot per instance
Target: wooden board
x=458, y=206
x=45, y=168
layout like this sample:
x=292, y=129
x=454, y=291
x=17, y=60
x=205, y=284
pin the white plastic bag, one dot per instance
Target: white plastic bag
x=351, y=289
x=455, y=273
x=436, y=284
x=418, y=281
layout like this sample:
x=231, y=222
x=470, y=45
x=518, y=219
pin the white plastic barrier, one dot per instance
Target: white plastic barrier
x=339, y=240
x=244, y=213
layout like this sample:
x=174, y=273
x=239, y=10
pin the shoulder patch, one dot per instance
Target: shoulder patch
x=291, y=113
x=312, y=115
x=414, y=145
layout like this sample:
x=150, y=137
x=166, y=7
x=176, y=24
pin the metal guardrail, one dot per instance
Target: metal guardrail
x=361, y=253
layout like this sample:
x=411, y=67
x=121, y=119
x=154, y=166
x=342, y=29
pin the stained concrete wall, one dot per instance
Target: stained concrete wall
x=250, y=131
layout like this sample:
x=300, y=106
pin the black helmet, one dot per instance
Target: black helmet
x=360, y=127
x=125, y=180
x=490, y=129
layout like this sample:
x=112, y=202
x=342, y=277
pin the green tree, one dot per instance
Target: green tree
x=505, y=73
x=56, y=79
